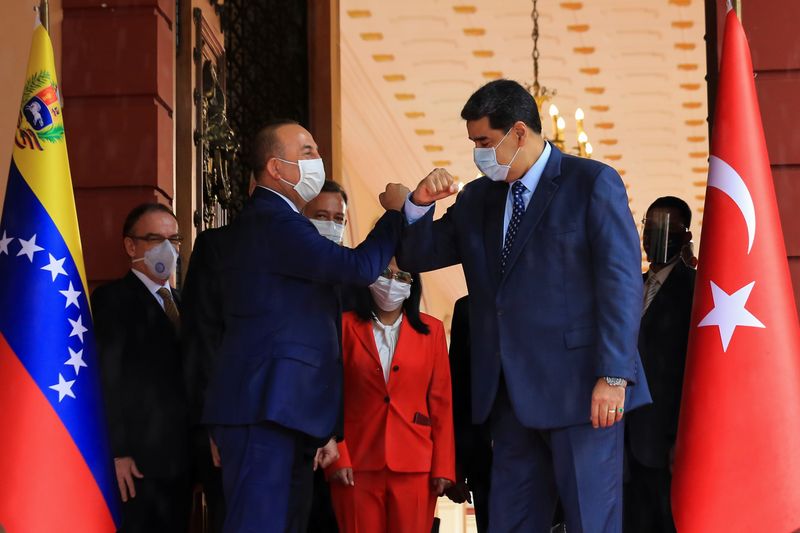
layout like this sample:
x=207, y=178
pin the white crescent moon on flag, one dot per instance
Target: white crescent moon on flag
x=722, y=176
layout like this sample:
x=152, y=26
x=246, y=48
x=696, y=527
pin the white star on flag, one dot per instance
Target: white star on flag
x=55, y=267
x=63, y=387
x=4, y=242
x=72, y=296
x=77, y=328
x=29, y=248
x=729, y=313
x=76, y=360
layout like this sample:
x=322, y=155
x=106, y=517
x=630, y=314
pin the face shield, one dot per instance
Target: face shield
x=662, y=236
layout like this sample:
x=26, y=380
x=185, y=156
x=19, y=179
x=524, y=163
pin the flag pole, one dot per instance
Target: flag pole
x=44, y=14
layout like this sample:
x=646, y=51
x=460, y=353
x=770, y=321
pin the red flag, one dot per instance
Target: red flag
x=738, y=451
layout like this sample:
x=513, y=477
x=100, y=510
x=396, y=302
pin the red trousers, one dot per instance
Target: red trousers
x=384, y=501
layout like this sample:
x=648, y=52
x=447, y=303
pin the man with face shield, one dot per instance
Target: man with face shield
x=137, y=326
x=663, y=337
x=273, y=403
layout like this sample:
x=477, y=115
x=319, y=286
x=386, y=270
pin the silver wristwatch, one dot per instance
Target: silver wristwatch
x=616, y=382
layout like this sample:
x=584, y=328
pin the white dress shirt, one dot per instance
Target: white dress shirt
x=152, y=286
x=531, y=179
x=654, y=282
x=386, y=341
x=294, y=207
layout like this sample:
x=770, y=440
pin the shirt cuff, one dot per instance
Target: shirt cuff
x=413, y=211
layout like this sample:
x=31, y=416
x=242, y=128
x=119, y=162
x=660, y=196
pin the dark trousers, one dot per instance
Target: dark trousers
x=322, y=518
x=479, y=486
x=532, y=469
x=267, y=478
x=160, y=506
x=647, y=499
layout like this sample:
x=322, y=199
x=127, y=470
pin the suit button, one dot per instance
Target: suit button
x=386, y=399
x=395, y=368
x=499, y=312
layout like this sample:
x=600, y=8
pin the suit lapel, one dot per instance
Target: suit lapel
x=404, y=337
x=494, y=211
x=365, y=335
x=544, y=192
x=148, y=301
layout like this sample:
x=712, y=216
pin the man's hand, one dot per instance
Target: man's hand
x=440, y=485
x=608, y=404
x=126, y=471
x=393, y=198
x=214, y=453
x=436, y=185
x=327, y=455
x=344, y=476
x=459, y=493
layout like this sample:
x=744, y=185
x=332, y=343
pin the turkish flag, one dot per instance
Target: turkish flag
x=737, y=466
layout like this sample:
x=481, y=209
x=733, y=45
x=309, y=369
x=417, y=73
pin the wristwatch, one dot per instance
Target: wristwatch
x=616, y=382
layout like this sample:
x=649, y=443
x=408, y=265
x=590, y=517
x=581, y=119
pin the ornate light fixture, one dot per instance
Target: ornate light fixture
x=542, y=95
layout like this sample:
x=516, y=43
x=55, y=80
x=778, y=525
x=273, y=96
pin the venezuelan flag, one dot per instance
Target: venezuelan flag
x=56, y=472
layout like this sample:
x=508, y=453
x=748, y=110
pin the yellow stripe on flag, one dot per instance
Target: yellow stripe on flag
x=40, y=148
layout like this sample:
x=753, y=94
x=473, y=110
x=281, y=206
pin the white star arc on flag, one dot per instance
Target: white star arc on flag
x=63, y=387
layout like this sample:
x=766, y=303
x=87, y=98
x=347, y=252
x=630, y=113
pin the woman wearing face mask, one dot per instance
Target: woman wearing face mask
x=398, y=456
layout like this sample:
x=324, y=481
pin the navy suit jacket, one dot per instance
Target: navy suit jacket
x=566, y=311
x=279, y=359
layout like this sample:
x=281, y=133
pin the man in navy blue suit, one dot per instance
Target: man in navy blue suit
x=275, y=393
x=553, y=267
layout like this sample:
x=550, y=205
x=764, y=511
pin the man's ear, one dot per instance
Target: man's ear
x=130, y=247
x=272, y=170
x=687, y=238
x=521, y=131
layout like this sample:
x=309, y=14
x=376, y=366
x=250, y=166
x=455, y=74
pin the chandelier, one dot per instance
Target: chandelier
x=542, y=95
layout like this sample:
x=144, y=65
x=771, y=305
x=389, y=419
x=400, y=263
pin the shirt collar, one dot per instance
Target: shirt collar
x=151, y=285
x=294, y=207
x=662, y=275
x=531, y=178
x=390, y=327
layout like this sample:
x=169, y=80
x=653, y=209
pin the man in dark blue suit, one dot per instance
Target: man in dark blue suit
x=553, y=266
x=275, y=394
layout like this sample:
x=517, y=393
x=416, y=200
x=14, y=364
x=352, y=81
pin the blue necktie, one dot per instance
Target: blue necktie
x=516, y=217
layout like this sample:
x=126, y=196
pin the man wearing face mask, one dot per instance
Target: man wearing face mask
x=328, y=211
x=552, y=261
x=650, y=432
x=273, y=403
x=137, y=331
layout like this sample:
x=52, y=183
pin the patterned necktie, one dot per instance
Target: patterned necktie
x=170, y=308
x=516, y=216
x=650, y=290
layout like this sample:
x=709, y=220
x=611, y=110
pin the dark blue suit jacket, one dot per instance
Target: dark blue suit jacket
x=567, y=309
x=279, y=360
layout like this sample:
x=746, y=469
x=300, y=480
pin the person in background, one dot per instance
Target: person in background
x=137, y=326
x=473, y=441
x=273, y=403
x=663, y=337
x=202, y=326
x=328, y=213
x=398, y=454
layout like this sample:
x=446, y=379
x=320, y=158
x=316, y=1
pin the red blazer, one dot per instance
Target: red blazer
x=407, y=423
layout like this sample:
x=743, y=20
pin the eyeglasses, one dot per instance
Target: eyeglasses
x=154, y=238
x=403, y=277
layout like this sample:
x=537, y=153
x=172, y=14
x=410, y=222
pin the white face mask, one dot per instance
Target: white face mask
x=389, y=294
x=312, y=177
x=329, y=229
x=160, y=260
x=486, y=161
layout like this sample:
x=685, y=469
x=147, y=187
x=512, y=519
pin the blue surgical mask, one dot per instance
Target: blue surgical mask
x=486, y=161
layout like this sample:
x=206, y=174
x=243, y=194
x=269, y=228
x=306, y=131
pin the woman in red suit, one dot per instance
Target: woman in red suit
x=398, y=454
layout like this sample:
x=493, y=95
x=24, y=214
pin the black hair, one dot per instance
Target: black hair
x=365, y=308
x=332, y=186
x=266, y=145
x=141, y=210
x=673, y=202
x=505, y=102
